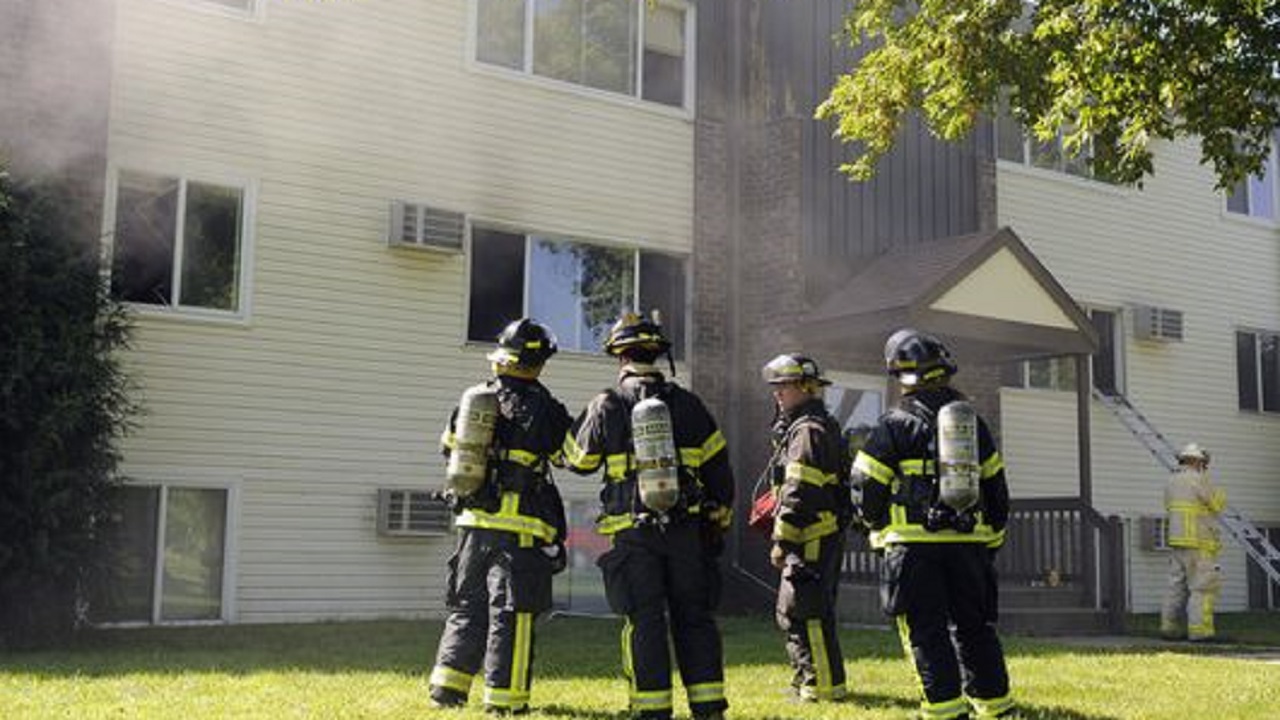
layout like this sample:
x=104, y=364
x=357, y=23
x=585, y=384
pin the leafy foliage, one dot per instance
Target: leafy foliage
x=63, y=405
x=1111, y=75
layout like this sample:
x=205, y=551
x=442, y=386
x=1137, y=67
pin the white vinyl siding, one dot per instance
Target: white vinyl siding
x=1167, y=245
x=340, y=380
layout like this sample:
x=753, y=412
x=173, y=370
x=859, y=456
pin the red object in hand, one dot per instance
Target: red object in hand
x=763, y=510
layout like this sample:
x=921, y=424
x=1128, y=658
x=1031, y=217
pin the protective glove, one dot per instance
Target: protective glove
x=558, y=556
x=778, y=557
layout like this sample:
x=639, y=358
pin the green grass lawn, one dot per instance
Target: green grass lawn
x=378, y=670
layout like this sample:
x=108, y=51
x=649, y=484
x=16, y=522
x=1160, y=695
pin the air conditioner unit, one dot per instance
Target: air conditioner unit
x=1154, y=531
x=412, y=513
x=1157, y=323
x=414, y=225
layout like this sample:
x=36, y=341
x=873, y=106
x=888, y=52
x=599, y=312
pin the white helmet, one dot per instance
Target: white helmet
x=1192, y=451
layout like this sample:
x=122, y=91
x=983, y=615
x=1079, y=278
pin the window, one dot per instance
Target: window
x=1052, y=373
x=168, y=556
x=1258, y=370
x=178, y=243
x=1256, y=195
x=577, y=288
x=630, y=47
x=1014, y=145
x=235, y=8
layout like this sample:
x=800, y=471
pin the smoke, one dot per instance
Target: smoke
x=55, y=65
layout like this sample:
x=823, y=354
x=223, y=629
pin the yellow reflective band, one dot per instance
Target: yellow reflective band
x=873, y=468
x=944, y=710
x=915, y=533
x=809, y=474
x=1218, y=501
x=722, y=517
x=916, y=467
x=507, y=699
x=447, y=677
x=705, y=692
x=578, y=458
x=628, y=663
x=617, y=466
x=823, y=526
x=533, y=344
x=651, y=699
x=821, y=663
x=508, y=519
x=691, y=457
x=992, y=465
x=610, y=524
x=712, y=445
x=521, y=652
x=448, y=439
x=997, y=540
x=522, y=457
x=991, y=707
x=812, y=550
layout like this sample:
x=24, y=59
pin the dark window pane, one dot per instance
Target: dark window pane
x=1238, y=199
x=146, y=225
x=497, y=283
x=500, y=33
x=1247, y=370
x=662, y=288
x=1104, y=361
x=211, y=248
x=125, y=593
x=664, y=35
x=1270, y=372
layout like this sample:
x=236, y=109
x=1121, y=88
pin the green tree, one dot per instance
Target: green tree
x=1110, y=75
x=63, y=407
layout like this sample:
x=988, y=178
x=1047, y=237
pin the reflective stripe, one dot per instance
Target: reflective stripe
x=821, y=662
x=992, y=465
x=448, y=439
x=617, y=466
x=1218, y=501
x=705, y=692
x=506, y=699
x=578, y=458
x=628, y=662
x=916, y=467
x=610, y=524
x=722, y=517
x=809, y=474
x=651, y=699
x=712, y=445
x=915, y=533
x=691, y=457
x=520, y=654
x=812, y=550
x=873, y=468
x=522, y=457
x=447, y=677
x=823, y=526
x=993, y=707
x=944, y=710
x=508, y=519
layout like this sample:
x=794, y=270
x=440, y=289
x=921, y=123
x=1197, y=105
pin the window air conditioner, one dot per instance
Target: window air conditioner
x=414, y=225
x=1157, y=324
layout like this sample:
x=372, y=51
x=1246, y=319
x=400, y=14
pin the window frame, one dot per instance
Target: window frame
x=635, y=248
x=1272, y=167
x=230, y=549
x=256, y=13
x=1259, y=376
x=248, y=222
x=636, y=99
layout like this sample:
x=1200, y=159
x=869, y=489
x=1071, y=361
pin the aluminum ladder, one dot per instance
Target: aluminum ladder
x=1238, y=527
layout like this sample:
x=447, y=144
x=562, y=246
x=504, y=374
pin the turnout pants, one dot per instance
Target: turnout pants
x=666, y=584
x=806, y=613
x=1194, y=581
x=498, y=583
x=944, y=596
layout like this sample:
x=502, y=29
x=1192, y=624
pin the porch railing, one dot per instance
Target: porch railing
x=1059, y=544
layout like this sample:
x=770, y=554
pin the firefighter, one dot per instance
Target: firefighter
x=500, y=443
x=934, y=495
x=1193, y=505
x=811, y=483
x=667, y=499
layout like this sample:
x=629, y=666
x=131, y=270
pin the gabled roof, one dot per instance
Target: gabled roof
x=986, y=294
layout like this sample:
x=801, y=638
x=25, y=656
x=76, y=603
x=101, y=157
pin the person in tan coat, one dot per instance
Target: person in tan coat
x=1193, y=504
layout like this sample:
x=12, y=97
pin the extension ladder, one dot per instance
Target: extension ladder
x=1238, y=527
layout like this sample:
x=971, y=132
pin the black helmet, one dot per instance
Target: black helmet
x=917, y=358
x=524, y=342
x=792, y=367
x=636, y=335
